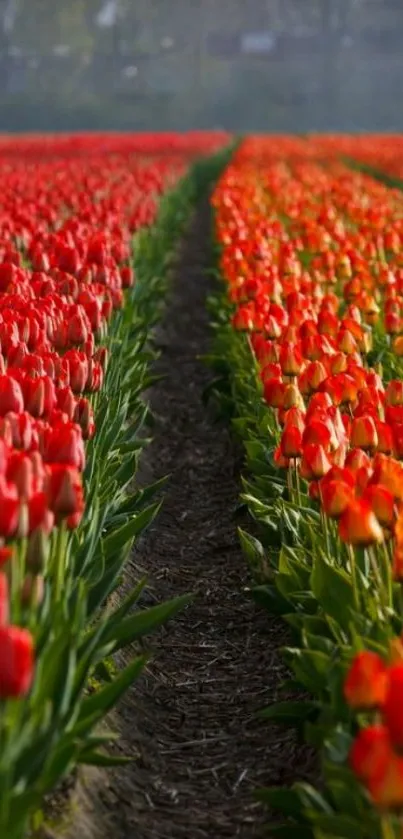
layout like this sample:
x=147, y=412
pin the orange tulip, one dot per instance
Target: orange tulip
x=291, y=359
x=293, y=398
x=366, y=683
x=382, y=503
x=363, y=434
x=386, y=786
x=315, y=462
x=358, y=525
x=335, y=497
x=389, y=473
x=394, y=392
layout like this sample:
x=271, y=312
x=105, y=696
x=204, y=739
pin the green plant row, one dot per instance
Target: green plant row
x=300, y=577
x=43, y=737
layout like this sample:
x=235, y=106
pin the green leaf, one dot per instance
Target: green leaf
x=123, y=632
x=103, y=700
x=333, y=590
x=283, y=799
x=292, y=831
x=271, y=599
x=340, y=826
x=94, y=758
x=290, y=712
x=125, y=534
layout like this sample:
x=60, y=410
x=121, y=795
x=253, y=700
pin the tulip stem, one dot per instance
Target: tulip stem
x=290, y=482
x=388, y=830
x=353, y=569
x=373, y=561
x=297, y=482
x=388, y=574
x=60, y=562
x=326, y=532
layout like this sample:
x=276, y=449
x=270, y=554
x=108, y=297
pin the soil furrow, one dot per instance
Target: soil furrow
x=190, y=721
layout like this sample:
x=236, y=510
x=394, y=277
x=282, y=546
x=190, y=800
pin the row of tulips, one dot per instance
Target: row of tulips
x=310, y=255
x=75, y=319
x=380, y=152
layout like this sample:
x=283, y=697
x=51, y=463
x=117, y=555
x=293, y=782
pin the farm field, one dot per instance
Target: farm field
x=201, y=486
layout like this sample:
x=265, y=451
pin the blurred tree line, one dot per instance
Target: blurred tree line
x=146, y=64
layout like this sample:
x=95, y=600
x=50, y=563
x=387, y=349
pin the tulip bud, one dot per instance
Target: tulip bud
x=37, y=551
x=33, y=590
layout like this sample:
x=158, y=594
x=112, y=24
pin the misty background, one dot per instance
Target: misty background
x=242, y=65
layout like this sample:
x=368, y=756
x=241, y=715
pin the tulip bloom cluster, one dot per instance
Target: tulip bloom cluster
x=381, y=152
x=374, y=687
x=68, y=211
x=311, y=268
x=311, y=254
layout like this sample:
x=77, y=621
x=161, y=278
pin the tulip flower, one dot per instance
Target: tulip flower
x=274, y=390
x=366, y=683
x=382, y=503
x=335, y=496
x=291, y=442
x=16, y=662
x=291, y=359
x=370, y=752
x=315, y=462
x=358, y=525
x=392, y=706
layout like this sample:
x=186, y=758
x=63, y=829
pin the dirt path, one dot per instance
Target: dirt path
x=201, y=752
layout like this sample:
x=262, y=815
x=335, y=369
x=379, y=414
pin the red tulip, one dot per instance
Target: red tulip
x=16, y=661
x=315, y=462
x=11, y=398
x=392, y=705
x=274, y=390
x=64, y=490
x=63, y=443
x=370, y=752
x=291, y=442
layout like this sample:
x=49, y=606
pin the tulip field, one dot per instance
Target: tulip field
x=311, y=330
x=301, y=311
